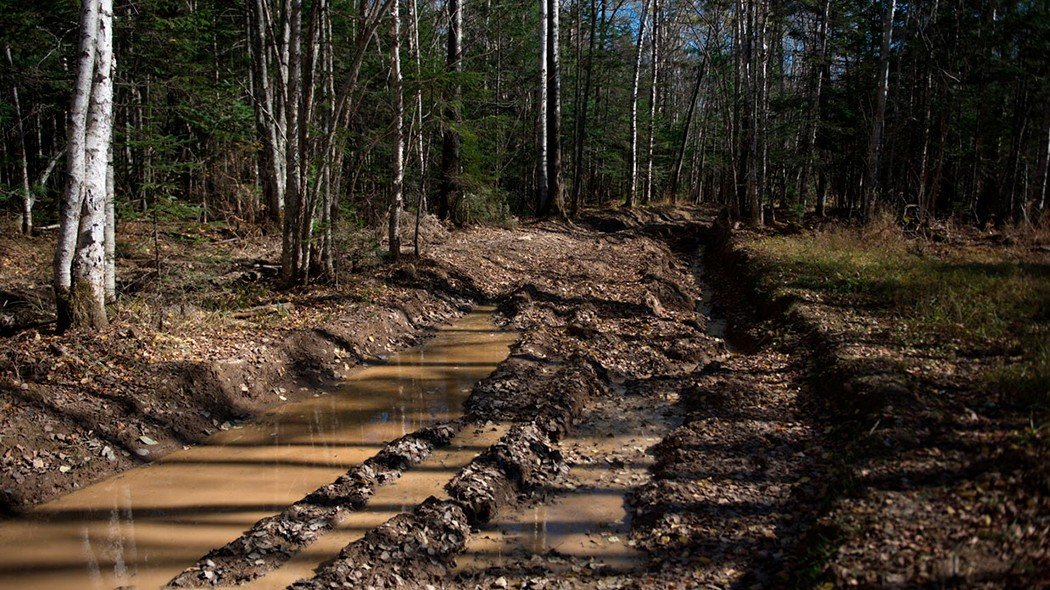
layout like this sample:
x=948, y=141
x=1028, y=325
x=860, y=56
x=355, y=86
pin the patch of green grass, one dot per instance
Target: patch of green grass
x=1027, y=381
x=982, y=301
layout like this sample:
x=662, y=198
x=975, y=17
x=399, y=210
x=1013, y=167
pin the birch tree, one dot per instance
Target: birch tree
x=80, y=259
x=632, y=161
x=554, y=203
x=28, y=199
x=542, y=127
x=417, y=138
x=268, y=105
x=397, y=190
x=654, y=79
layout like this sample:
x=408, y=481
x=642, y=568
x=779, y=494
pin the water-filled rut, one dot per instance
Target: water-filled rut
x=141, y=528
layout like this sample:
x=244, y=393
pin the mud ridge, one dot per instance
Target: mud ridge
x=418, y=548
x=848, y=387
x=275, y=539
x=916, y=457
x=181, y=402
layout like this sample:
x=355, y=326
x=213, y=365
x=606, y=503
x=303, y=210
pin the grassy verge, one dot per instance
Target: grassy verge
x=968, y=298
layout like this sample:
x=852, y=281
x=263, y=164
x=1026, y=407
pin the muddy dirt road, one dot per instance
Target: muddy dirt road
x=598, y=427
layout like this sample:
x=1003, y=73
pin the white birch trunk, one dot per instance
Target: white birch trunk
x=652, y=101
x=27, y=195
x=397, y=191
x=291, y=253
x=555, y=196
x=633, y=155
x=111, y=226
x=72, y=197
x=542, y=172
x=415, y=51
x=89, y=263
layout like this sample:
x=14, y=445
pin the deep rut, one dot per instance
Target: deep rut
x=620, y=444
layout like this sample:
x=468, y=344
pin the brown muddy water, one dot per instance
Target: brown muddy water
x=141, y=528
x=585, y=520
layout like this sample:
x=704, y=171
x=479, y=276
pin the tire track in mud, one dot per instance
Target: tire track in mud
x=274, y=540
x=610, y=337
x=583, y=523
x=643, y=333
x=418, y=547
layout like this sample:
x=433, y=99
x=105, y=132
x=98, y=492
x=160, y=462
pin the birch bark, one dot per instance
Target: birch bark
x=397, y=191
x=73, y=195
x=632, y=164
x=88, y=296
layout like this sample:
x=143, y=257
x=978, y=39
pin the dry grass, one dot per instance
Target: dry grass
x=985, y=298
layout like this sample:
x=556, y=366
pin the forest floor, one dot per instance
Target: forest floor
x=786, y=408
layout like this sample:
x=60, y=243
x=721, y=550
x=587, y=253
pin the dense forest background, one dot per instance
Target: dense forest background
x=748, y=103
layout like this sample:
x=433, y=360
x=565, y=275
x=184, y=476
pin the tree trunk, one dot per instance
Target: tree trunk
x=111, y=226
x=676, y=173
x=542, y=126
x=88, y=293
x=581, y=117
x=632, y=162
x=267, y=119
x=871, y=181
x=415, y=51
x=555, y=204
x=28, y=198
x=655, y=45
x=295, y=210
x=813, y=118
x=396, y=195
x=450, y=191
x=73, y=196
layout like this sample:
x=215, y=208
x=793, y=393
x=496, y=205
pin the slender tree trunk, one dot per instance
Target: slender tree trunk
x=676, y=173
x=581, y=117
x=28, y=198
x=813, y=118
x=872, y=187
x=542, y=126
x=1042, y=169
x=267, y=119
x=396, y=196
x=655, y=66
x=632, y=161
x=924, y=210
x=555, y=204
x=291, y=251
x=73, y=197
x=449, y=193
x=111, y=227
x=415, y=51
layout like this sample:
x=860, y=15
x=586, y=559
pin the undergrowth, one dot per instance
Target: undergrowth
x=977, y=301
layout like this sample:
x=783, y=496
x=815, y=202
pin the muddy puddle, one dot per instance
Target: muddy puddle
x=412, y=488
x=141, y=528
x=586, y=521
x=718, y=325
